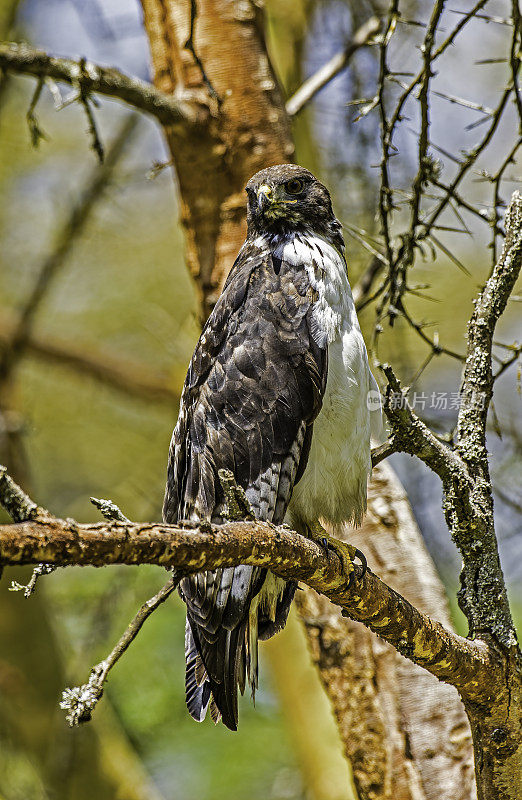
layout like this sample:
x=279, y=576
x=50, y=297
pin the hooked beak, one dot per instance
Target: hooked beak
x=264, y=196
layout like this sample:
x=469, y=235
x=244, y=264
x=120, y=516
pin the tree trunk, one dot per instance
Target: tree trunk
x=247, y=125
x=406, y=734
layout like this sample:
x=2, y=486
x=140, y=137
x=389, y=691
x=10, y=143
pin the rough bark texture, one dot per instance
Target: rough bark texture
x=246, y=131
x=497, y=728
x=496, y=721
x=41, y=538
x=393, y=715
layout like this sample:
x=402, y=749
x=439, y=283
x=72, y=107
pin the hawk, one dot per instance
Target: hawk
x=277, y=392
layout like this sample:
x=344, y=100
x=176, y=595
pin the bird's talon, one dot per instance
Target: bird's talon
x=362, y=558
x=347, y=553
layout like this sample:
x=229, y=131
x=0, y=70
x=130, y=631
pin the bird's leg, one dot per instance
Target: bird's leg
x=345, y=552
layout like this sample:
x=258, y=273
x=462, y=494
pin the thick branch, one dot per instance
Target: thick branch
x=411, y=435
x=451, y=658
x=89, y=77
x=483, y=596
x=337, y=63
x=477, y=381
x=468, y=503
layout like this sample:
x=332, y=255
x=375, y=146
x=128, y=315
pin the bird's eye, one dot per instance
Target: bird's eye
x=295, y=186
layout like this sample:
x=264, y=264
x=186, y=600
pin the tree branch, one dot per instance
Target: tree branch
x=16, y=502
x=411, y=435
x=206, y=547
x=361, y=291
x=326, y=73
x=483, y=596
x=89, y=77
x=477, y=381
x=80, y=701
x=468, y=502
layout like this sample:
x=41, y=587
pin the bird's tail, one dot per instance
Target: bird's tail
x=214, y=687
x=197, y=685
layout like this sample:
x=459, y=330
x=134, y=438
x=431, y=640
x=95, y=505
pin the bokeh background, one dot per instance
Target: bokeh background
x=89, y=408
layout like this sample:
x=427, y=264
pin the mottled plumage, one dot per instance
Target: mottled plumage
x=276, y=392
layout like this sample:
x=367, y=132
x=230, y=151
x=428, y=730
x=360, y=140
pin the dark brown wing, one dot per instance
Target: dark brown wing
x=253, y=389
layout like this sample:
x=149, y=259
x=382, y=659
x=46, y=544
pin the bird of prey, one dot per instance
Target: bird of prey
x=277, y=392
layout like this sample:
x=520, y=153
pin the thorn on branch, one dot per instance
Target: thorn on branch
x=28, y=589
x=109, y=509
x=35, y=131
x=96, y=142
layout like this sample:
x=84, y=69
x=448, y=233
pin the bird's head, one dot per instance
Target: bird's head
x=287, y=197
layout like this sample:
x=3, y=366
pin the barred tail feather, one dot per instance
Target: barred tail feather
x=214, y=672
x=252, y=649
x=197, y=685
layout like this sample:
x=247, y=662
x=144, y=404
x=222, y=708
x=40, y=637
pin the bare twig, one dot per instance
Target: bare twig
x=411, y=435
x=109, y=509
x=16, y=502
x=516, y=352
x=35, y=131
x=362, y=289
x=29, y=588
x=498, y=203
x=363, y=36
x=514, y=57
x=108, y=81
x=96, y=142
x=80, y=701
x=477, y=382
x=470, y=160
x=435, y=345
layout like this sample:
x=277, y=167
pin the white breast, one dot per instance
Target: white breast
x=333, y=487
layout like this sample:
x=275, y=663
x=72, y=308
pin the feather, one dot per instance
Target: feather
x=254, y=389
